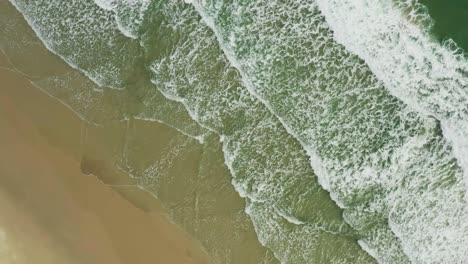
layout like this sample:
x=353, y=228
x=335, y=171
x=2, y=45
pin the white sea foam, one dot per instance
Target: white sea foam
x=106, y=4
x=154, y=174
x=48, y=45
x=326, y=99
x=379, y=177
x=429, y=77
x=268, y=166
x=198, y=137
x=128, y=14
x=87, y=29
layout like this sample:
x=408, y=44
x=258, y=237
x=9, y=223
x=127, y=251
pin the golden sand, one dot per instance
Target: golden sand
x=51, y=212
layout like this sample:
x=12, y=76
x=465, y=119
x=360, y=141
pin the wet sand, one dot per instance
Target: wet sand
x=190, y=180
x=52, y=212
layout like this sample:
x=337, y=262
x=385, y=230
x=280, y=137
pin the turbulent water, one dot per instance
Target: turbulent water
x=344, y=124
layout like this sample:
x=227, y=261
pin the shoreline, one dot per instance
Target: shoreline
x=72, y=217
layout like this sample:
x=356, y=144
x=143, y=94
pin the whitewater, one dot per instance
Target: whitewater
x=394, y=40
x=340, y=121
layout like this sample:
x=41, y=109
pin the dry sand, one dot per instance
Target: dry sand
x=53, y=213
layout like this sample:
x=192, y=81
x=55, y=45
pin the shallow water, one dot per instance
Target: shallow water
x=166, y=159
x=341, y=124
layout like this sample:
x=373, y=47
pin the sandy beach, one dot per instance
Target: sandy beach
x=52, y=212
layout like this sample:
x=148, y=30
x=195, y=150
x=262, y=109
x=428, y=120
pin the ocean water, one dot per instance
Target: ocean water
x=164, y=159
x=449, y=20
x=343, y=124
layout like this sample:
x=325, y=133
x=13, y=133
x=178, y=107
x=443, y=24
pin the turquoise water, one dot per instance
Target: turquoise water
x=343, y=123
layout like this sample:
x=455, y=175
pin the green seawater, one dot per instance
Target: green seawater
x=300, y=153
x=269, y=165
x=450, y=20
